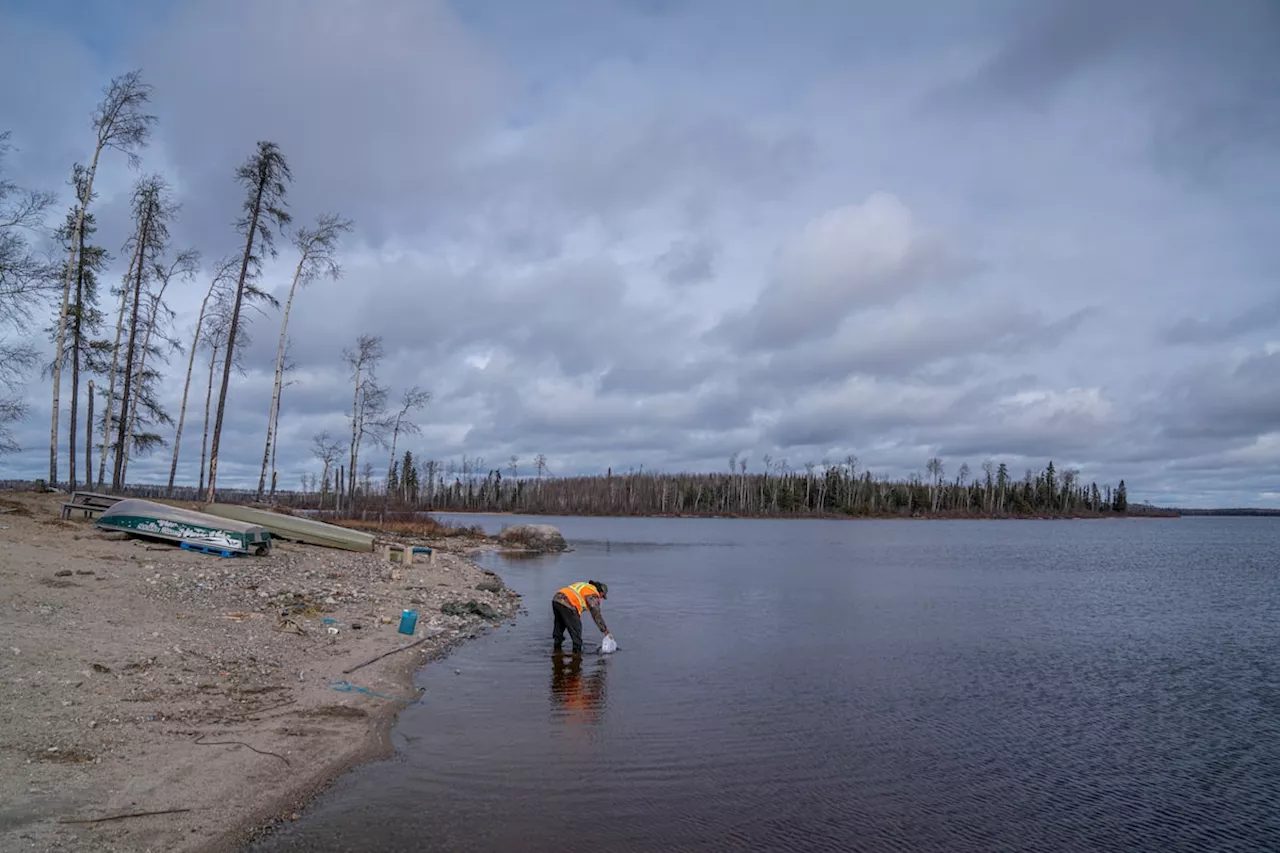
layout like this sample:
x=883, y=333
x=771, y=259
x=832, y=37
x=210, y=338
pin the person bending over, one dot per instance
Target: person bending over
x=567, y=605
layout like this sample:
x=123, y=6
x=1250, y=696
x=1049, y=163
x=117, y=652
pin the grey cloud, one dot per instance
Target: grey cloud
x=1207, y=77
x=658, y=374
x=853, y=257
x=900, y=344
x=1202, y=330
x=374, y=138
x=609, y=172
x=687, y=262
x=1224, y=399
x=537, y=188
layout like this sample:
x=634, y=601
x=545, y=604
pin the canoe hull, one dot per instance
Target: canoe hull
x=147, y=518
x=296, y=528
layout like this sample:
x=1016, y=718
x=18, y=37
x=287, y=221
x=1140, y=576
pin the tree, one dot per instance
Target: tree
x=934, y=467
x=217, y=325
x=316, y=247
x=325, y=449
x=184, y=266
x=409, y=478
x=110, y=391
x=414, y=399
x=24, y=281
x=287, y=367
x=152, y=212
x=221, y=277
x=83, y=320
x=121, y=123
x=368, y=398
x=1120, y=503
x=263, y=176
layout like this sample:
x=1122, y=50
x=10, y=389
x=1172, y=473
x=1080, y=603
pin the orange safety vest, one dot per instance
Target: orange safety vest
x=577, y=594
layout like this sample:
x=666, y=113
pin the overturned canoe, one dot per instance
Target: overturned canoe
x=295, y=527
x=147, y=518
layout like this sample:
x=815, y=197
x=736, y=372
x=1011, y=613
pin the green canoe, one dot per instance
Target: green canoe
x=147, y=518
x=295, y=527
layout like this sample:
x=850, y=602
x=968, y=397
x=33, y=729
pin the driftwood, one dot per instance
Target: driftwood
x=200, y=741
x=391, y=652
x=122, y=816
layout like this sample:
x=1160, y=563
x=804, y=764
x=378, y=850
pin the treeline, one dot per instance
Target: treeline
x=816, y=490
x=114, y=358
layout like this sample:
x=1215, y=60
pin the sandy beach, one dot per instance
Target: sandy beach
x=142, y=678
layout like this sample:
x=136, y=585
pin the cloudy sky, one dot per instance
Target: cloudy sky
x=658, y=232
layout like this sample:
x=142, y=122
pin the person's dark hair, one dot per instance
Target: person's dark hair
x=603, y=587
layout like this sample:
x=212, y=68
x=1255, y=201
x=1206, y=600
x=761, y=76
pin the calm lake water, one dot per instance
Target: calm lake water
x=878, y=686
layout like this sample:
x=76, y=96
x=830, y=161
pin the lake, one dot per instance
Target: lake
x=852, y=685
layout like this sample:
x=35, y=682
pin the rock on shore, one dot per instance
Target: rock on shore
x=533, y=537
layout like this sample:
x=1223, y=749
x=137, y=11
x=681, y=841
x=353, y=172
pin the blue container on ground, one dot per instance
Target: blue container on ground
x=408, y=621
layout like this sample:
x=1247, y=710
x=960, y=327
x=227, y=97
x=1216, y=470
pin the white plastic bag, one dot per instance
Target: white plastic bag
x=608, y=645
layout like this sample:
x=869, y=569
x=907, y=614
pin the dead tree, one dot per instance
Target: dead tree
x=24, y=280
x=184, y=266
x=263, y=176
x=120, y=123
x=221, y=278
x=152, y=212
x=367, y=400
x=112, y=374
x=316, y=247
x=414, y=399
x=325, y=449
x=288, y=367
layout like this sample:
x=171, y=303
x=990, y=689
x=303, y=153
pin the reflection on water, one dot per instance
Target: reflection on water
x=577, y=699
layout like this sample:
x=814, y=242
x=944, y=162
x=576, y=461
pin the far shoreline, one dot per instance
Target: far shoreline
x=794, y=517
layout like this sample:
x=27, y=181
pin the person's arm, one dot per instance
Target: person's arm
x=593, y=604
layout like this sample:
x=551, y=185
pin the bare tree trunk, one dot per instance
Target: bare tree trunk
x=156, y=299
x=186, y=387
x=117, y=479
x=275, y=431
x=88, y=440
x=386, y=498
x=208, y=401
x=62, y=314
x=355, y=430
x=77, y=341
x=273, y=416
x=111, y=381
x=231, y=343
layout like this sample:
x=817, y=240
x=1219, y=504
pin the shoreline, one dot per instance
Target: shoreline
x=1118, y=516
x=377, y=746
x=135, y=675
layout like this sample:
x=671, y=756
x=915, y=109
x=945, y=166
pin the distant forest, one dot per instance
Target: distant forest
x=828, y=490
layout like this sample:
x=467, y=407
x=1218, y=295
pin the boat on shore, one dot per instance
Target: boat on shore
x=185, y=526
x=296, y=528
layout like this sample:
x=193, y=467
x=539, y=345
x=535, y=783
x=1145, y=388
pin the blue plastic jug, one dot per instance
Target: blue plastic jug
x=408, y=621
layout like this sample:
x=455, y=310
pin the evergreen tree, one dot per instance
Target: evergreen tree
x=1121, y=502
x=83, y=318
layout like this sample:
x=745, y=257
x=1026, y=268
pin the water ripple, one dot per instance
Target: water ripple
x=865, y=687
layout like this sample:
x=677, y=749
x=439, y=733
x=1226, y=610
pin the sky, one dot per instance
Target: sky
x=626, y=233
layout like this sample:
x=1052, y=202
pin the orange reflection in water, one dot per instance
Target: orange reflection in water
x=578, y=697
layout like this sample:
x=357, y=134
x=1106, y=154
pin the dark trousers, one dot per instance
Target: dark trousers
x=567, y=617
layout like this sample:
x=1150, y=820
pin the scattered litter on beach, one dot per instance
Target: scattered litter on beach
x=348, y=687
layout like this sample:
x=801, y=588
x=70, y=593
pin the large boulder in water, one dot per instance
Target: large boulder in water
x=534, y=537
